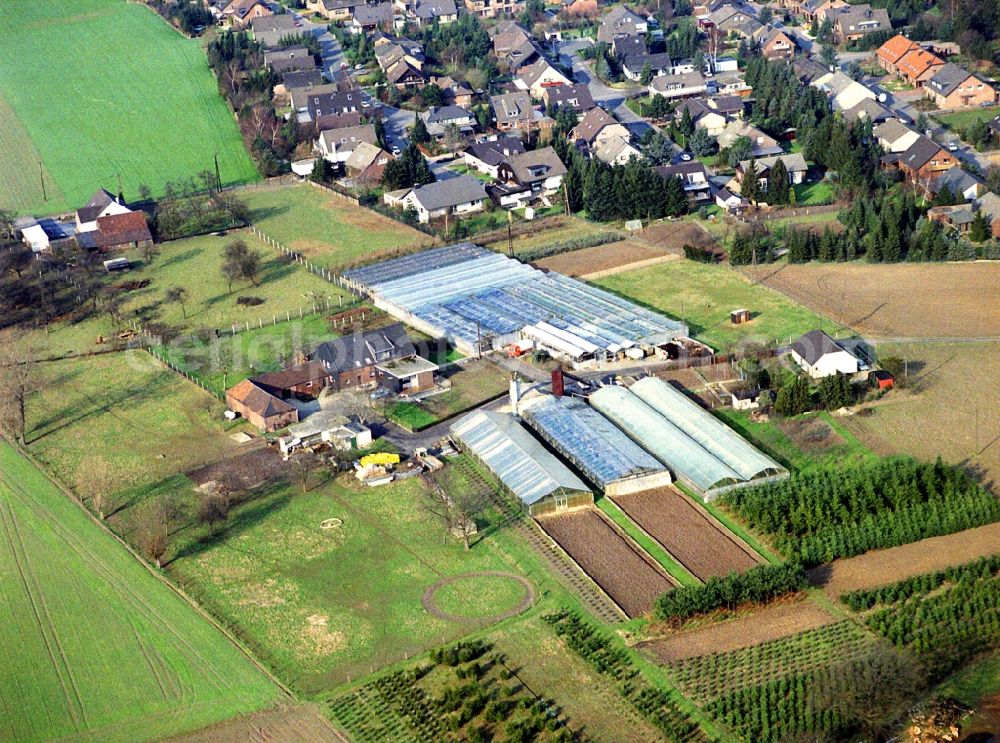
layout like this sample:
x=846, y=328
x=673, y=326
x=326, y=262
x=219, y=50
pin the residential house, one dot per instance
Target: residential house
x=454, y=196
x=580, y=8
x=508, y=36
x=891, y=52
x=616, y=151
x=403, y=75
x=989, y=205
x=895, y=136
x=712, y=121
x=808, y=71
x=269, y=30
x=526, y=53
x=389, y=50
x=685, y=85
x=844, y=91
x=730, y=202
x=595, y=127
x=812, y=10
x=239, y=13
x=442, y=11
x=443, y=120
x=101, y=204
x=729, y=84
x=776, y=44
x=741, y=25
x=919, y=66
x=291, y=59
x=620, y=21
x=794, y=163
x=495, y=8
x=299, y=80
x=994, y=127
x=867, y=109
x=406, y=376
x=371, y=17
x=352, y=361
x=540, y=171
x=694, y=178
x=264, y=410
x=959, y=217
x=658, y=64
x=952, y=87
x=623, y=47
x=513, y=111
x=486, y=157
x=117, y=232
x=857, y=21
x=536, y=77
x=961, y=183
x=921, y=162
x=821, y=356
x=320, y=104
x=453, y=92
x=336, y=145
x=763, y=145
x=366, y=164
x=335, y=10
x=574, y=97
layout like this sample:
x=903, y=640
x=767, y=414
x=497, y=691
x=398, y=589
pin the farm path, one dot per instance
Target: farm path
x=630, y=267
x=770, y=623
x=299, y=722
x=879, y=568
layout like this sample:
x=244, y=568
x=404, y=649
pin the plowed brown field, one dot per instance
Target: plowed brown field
x=301, y=722
x=698, y=541
x=626, y=574
x=604, y=259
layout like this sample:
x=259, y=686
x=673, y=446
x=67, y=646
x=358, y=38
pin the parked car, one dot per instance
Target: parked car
x=359, y=66
x=952, y=146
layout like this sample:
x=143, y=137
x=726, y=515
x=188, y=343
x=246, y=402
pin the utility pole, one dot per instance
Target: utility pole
x=121, y=193
x=41, y=174
x=218, y=176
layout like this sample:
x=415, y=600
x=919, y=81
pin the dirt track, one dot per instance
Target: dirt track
x=301, y=722
x=629, y=576
x=770, y=623
x=879, y=568
x=603, y=259
x=699, y=542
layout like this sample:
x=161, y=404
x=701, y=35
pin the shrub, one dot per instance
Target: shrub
x=757, y=585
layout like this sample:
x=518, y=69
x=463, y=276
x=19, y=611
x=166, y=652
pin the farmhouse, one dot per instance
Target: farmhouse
x=952, y=87
x=101, y=204
x=117, y=232
x=699, y=449
x=352, y=361
x=463, y=195
x=535, y=477
x=264, y=410
x=821, y=356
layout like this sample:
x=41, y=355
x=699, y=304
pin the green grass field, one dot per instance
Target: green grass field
x=142, y=420
x=329, y=232
x=960, y=120
x=195, y=265
x=102, y=89
x=814, y=194
x=324, y=604
x=703, y=296
x=94, y=647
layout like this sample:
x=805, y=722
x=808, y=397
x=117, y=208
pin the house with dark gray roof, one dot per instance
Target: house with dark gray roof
x=465, y=194
x=621, y=21
x=289, y=60
x=953, y=87
x=857, y=21
x=574, y=97
x=821, y=356
x=351, y=361
x=486, y=157
x=540, y=170
x=427, y=11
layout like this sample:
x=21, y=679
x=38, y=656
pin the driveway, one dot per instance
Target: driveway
x=397, y=124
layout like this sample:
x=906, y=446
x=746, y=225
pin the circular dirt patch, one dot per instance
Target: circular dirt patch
x=333, y=523
x=476, y=597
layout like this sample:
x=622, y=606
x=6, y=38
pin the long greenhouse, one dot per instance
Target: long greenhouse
x=527, y=469
x=594, y=445
x=685, y=438
x=475, y=297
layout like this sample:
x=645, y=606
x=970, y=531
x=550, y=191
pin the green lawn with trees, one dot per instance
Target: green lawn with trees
x=94, y=646
x=104, y=90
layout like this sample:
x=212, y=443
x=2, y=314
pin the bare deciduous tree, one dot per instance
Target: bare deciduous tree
x=178, y=295
x=455, y=511
x=95, y=481
x=17, y=381
x=357, y=403
x=303, y=465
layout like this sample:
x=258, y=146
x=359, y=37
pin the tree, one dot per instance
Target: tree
x=418, y=132
x=17, y=382
x=177, y=295
x=750, y=187
x=239, y=261
x=777, y=183
x=646, y=76
x=794, y=397
x=303, y=465
x=828, y=55
x=149, y=252
x=741, y=149
x=456, y=511
x=835, y=391
x=432, y=95
x=94, y=481
x=356, y=403
x=213, y=508
x=766, y=15
x=701, y=143
x=322, y=171
x=980, y=230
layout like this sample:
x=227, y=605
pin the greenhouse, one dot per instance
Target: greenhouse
x=594, y=445
x=475, y=297
x=678, y=442
x=541, y=482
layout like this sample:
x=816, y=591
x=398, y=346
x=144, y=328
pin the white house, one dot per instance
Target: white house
x=844, y=92
x=336, y=145
x=821, y=356
x=616, y=151
x=895, y=136
x=463, y=195
x=678, y=86
x=538, y=76
x=101, y=204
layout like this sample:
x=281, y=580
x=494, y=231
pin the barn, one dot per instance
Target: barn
x=533, y=475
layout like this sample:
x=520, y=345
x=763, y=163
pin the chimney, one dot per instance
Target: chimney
x=558, y=386
x=515, y=395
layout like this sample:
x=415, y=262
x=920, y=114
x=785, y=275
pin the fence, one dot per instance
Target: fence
x=167, y=362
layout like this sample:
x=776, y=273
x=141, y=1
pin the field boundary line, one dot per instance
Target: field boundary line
x=657, y=542
x=148, y=568
x=634, y=266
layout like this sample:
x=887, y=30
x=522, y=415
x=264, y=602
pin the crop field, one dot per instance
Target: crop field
x=883, y=567
x=772, y=622
x=304, y=723
x=125, y=415
x=703, y=295
x=700, y=543
x=625, y=573
x=283, y=289
x=79, y=54
x=95, y=647
x=604, y=260
x=323, y=606
x=675, y=234
x=930, y=419
x=901, y=300
x=707, y=677
x=532, y=236
x=328, y=231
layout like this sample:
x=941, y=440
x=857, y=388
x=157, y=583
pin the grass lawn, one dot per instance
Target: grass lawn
x=814, y=194
x=136, y=100
x=126, y=410
x=329, y=232
x=194, y=264
x=703, y=295
x=95, y=647
x=553, y=230
x=472, y=383
x=960, y=120
x=410, y=415
x=322, y=605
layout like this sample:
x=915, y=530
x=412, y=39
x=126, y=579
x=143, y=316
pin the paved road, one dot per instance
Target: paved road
x=397, y=124
x=608, y=98
x=330, y=49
